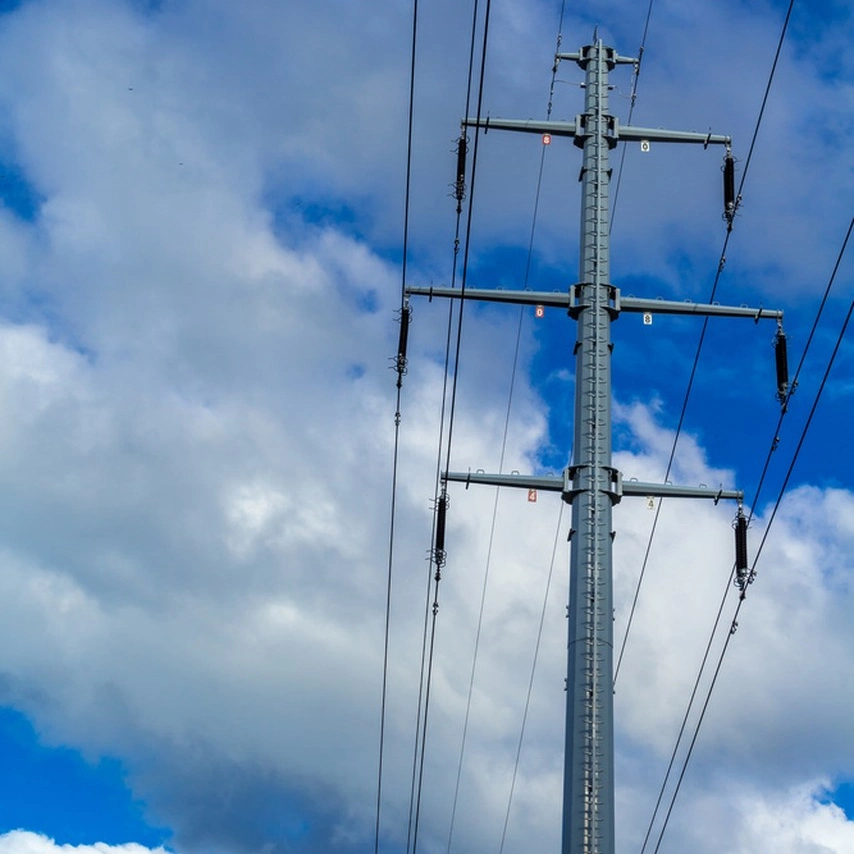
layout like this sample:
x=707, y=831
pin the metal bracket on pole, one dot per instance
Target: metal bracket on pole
x=613, y=132
x=617, y=486
x=572, y=301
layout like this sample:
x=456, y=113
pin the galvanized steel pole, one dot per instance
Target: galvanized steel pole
x=588, y=818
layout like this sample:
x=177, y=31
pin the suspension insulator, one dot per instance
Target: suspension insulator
x=405, y=314
x=729, y=188
x=460, y=182
x=439, y=544
x=742, y=570
x=782, y=359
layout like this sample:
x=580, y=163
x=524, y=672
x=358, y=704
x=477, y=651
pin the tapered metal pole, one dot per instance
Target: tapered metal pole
x=588, y=809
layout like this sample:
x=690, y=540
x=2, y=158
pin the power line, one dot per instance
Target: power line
x=752, y=574
x=633, y=100
x=692, y=376
x=484, y=587
x=531, y=682
x=784, y=402
x=414, y=793
x=441, y=496
x=401, y=369
x=501, y=469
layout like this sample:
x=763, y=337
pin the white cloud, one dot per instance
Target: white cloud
x=23, y=842
x=800, y=822
x=197, y=426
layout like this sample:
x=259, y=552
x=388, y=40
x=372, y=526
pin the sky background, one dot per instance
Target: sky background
x=201, y=237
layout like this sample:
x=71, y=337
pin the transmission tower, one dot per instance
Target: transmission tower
x=590, y=484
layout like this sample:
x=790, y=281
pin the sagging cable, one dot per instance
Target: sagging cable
x=782, y=359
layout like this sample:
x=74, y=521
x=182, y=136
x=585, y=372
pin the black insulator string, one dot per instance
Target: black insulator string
x=721, y=264
x=781, y=359
x=460, y=182
x=741, y=564
x=729, y=190
x=400, y=362
x=439, y=553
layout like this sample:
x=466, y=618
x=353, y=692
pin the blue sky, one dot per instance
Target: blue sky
x=57, y=791
x=201, y=209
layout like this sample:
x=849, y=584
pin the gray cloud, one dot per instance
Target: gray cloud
x=197, y=427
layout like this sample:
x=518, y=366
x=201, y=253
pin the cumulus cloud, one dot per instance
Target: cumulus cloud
x=800, y=821
x=198, y=423
x=23, y=842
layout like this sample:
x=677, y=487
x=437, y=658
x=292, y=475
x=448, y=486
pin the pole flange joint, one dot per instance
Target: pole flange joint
x=577, y=302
